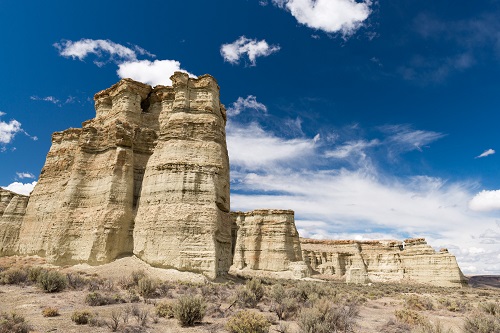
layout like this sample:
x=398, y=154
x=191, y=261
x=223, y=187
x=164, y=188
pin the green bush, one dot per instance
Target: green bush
x=245, y=298
x=189, y=310
x=415, y=302
x=165, y=309
x=76, y=281
x=52, y=281
x=255, y=287
x=410, y=317
x=324, y=317
x=13, y=323
x=248, y=322
x=34, y=272
x=146, y=287
x=481, y=322
x=81, y=317
x=428, y=327
x=491, y=308
x=283, y=302
x=14, y=276
x=50, y=312
x=98, y=299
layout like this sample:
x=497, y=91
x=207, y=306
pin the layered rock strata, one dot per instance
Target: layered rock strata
x=183, y=218
x=12, y=210
x=382, y=261
x=148, y=175
x=267, y=240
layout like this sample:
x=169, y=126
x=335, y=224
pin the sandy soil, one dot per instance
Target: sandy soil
x=29, y=301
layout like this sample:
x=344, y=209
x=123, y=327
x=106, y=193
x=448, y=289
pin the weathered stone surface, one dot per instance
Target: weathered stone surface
x=267, y=240
x=152, y=159
x=183, y=218
x=12, y=210
x=382, y=261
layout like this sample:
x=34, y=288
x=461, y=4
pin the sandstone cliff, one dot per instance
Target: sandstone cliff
x=12, y=210
x=267, y=240
x=183, y=218
x=382, y=261
x=148, y=175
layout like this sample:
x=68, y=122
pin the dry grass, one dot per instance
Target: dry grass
x=139, y=302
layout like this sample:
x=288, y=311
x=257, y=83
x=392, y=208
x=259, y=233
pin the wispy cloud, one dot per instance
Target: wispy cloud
x=23, y=175
x=331, y=16
x=252, y=48
x=21, y=188
x=249, y=102
x=486, y=153
x=403, y=138
x=153, y=72
x=359, y=200
x=50, y=99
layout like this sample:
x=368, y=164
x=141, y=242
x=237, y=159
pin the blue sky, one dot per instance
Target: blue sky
x=374, y=119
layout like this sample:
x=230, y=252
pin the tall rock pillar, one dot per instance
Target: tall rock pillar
x=183, y=219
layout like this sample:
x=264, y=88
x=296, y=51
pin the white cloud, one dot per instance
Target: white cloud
x=486, y=153
x=151, y=72
x=8, y=130
x=362, y=201
x=331, y=16
x=50, y=99
x=80, y=49
x=250, y=102
x=22, y=175
x=21, y=188
x=251, y=147
x=155, y=72
x=352, y=148
x=486, y=201
x=2, y=113
x=253, y=48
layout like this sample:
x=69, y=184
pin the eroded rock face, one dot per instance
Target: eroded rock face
x=183, y=218
x=152, y=165
x=382, y=261
x=12, y=210
x=266, y=240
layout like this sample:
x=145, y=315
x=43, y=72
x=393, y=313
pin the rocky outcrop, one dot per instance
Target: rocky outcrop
x=267, y=240
x=12, y=210
x=382, y=261
x=183, y=218
x=148, y=175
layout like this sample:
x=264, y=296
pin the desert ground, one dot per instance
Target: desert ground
x=131, y=296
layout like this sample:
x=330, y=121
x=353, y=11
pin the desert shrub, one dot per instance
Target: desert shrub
x=14, y=276
x=50, y=312
x=51, y=281
x=34, y=272
x=415, y=302
x=428, y=327
x=245, y=298
x=95, y=284
x=454, y=305
x=324, y=317
x=13, y=323
x=189, y=310
x=481, y=322
x=98, y=299
x=395, y=326
x=491, y=308
x=283, y=303
x=76, y=281
x=146, y=287
x=248, y=322
x=165, y=309
x=410, y=317
x=256, y=288
x=135, y=276
x=141, y=315
x=81, y=317
x=114, y=321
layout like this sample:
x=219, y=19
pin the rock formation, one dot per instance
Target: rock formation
x=267, y=240
x=12, y=210
x=148, y=175
x=382, y=261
